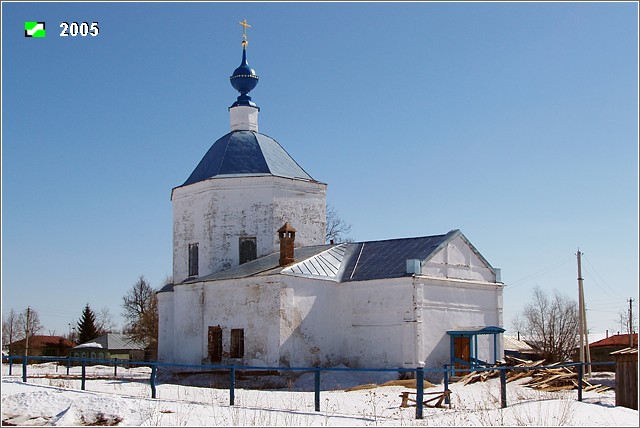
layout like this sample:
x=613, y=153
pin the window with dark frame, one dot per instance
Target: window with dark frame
x=237, y=343
x=193, y=259
x=248, y=249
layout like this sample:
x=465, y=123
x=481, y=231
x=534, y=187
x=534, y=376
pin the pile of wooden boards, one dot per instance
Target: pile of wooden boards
x=548, y=379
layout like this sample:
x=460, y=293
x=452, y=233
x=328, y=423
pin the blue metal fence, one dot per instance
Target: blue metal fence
x=419, y=373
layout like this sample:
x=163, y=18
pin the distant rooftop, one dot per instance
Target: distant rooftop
x=112, y=341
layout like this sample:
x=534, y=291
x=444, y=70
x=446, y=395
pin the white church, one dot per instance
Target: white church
x=256, y=284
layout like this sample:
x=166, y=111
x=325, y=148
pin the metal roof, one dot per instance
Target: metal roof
x=325, y=265
x=264, y=265
x=513, y=344
x=345, y=262
x=114, y=341
x=246, y=153
x=476, y=329
x=387, y=259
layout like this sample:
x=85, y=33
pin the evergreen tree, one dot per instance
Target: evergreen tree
x=87, y=329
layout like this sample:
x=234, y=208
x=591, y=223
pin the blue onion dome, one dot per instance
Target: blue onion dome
x=243, y=80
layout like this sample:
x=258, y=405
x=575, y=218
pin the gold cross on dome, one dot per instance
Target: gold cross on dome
x=244, y=31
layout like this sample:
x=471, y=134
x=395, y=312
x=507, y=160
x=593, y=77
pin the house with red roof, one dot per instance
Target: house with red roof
x=42, y=346
x=601, y=350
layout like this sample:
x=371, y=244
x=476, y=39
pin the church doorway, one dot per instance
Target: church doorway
x=461, y=351
x=215, y=344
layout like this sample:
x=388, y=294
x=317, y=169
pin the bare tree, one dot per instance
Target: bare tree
x=29, y=321
x=28, y=324
x=336, y=227
x=626, y=322
x=11, y=331
x=550, y=325
x=104, y=322
x=141, y=313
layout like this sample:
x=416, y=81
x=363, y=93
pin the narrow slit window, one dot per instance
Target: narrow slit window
x=193, y=259
x=237, y=343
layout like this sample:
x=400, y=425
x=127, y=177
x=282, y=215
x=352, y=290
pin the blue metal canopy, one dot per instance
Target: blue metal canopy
x=471, y=332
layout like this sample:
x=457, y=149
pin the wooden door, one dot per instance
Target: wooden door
x=462, y=350
x=215, y=344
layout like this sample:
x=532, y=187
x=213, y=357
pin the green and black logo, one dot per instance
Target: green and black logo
x=34, y=29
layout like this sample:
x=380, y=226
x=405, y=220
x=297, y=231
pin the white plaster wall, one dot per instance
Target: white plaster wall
x=316, y=339
x=287, y=321
x=448, y=304
x=215, y=213
x=249, y=304
x=301, y=322
x=380, y=320
x=457, y=260
x=165, y=326
x=188, y=312
x=244, y=118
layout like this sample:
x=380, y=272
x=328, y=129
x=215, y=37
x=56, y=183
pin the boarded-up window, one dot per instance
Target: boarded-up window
x=193, y=259
x=237, y=343
x=248, y=249
x=215, y=344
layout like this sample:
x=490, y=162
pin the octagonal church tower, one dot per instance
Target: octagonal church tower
x=243, y=190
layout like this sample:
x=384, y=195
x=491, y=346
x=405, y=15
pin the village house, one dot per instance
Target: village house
x=601, y=350
x=110, y=346
x=255, y=283
x=41, y=346
x=514, y=347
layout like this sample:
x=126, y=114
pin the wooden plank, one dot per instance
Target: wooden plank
x=517, y=376
x=556, y=388
x=470, y=378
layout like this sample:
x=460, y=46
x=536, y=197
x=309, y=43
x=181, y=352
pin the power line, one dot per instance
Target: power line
x=536, y=274
x=598, y=276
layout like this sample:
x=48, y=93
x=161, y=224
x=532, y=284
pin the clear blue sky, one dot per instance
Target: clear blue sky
x=516, y=123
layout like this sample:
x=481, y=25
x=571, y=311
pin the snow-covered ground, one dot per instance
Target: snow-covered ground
x=53, y=399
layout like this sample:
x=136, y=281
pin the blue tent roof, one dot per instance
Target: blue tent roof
x=246, y=153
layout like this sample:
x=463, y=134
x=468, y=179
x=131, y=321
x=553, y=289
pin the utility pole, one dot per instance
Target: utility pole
x=583, y=319
x=26, y=340
x=630, y=322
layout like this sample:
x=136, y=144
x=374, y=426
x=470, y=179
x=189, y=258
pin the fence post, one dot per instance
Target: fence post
x=84, y=372
x=447, y=400
x=232, y=386
x=580, y=369
x=24, y=369
x=10, y=364
x=115, y=367
x=317, y=389
x=419, y=392
x=503, y=387
x=152, y=381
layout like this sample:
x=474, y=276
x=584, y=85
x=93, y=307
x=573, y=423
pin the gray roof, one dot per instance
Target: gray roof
x=241, y=153
x=513, y=344
x=114, y=341
x=359, y=261
x=263, y=266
